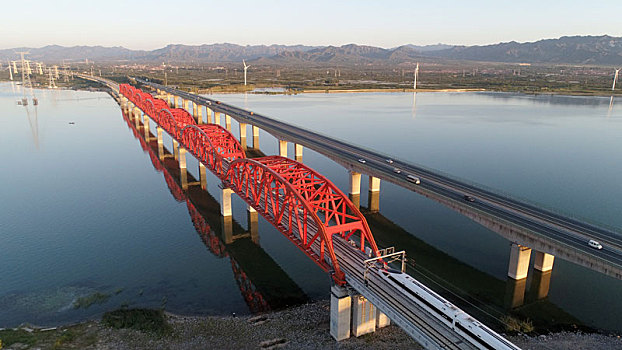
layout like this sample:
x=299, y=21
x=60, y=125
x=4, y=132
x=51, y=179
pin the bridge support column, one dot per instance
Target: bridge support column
x=519, y=262
x=255, y=137
x=208, y=115
x=363, y=316
x=340, y=312
x=186, y=104
x=160, y=143
x=146, y=126
x=243, y=136
x=183, y=171
x=373, y=200
x=355, y=188
x=176, y=150
x=225, y=201
x=203, y=176
x=137, y=113
x=228, y=122
x=196, y=109
x=543, y=261
x=176, y=101
x=216, y=118
x=382, y=320
x=253, y=223
x=283, y=148
x=298, y=152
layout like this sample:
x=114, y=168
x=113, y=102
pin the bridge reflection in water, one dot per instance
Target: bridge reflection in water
x=263, y=284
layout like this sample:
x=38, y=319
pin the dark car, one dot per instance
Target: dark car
x=469, y=198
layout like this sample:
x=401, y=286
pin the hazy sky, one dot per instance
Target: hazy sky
x=153, y=24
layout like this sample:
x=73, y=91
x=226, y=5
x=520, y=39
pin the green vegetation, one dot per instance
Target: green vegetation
x=10, y=336
x=514, y=325
x=146, y=320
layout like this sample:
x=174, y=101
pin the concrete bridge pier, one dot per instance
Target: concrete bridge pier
x=519, y=261
x=183, y=171
x=197, y=112
x=298, y=152
x=243, y=136
x=203, y=176
x=176, y=101
x=208, y=115
x=353, y=314
x=186, y=104
x=363, y=316
x=340, y=312
x=283, y=148
x=518, y=270
x=355, y=188
x=373, y=199
x=217, y=118
x=176, y=150
x=226, y=214
x=228, y=122
x=137, y=113
x=146, y=126
x=160, y=143
x=225, y=201
x=252, y=218
x=255, y=131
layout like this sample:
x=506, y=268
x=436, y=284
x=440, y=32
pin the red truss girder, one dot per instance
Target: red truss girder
x=279, y=203
x=302, y=204
x=211, y=144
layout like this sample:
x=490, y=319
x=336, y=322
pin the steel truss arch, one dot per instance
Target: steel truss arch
x=284, y=207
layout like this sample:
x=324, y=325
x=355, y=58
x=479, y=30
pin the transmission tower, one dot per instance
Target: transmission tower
x=26, y=83
x=52, y=81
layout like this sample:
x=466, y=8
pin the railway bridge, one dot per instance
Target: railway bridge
x=311, y=212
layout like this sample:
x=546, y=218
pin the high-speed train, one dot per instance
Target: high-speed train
x=458, y=320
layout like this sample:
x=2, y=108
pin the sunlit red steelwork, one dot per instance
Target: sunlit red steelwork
x=302, y=204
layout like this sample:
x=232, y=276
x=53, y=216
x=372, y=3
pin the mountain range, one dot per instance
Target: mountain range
x=592, y=50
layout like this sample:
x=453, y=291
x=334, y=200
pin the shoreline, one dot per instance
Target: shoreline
x=367, y=90
x=301, y=327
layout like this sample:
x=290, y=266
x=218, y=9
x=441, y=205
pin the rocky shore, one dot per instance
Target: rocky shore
x=302, y=327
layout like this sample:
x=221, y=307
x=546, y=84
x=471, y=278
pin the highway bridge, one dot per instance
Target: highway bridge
x=528, y=226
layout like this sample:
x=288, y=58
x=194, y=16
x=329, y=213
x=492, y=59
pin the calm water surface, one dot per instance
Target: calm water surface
x=83, y=210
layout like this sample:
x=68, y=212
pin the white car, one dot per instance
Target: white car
x=390, y=161
x=362, y=161
x=594, y=244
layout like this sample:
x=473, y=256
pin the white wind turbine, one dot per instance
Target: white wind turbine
x=615, y=79
x=245, y=69
x=416, y=75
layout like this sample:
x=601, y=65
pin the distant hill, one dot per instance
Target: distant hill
x=595, y=50
x=602, y=50
x=170, y=53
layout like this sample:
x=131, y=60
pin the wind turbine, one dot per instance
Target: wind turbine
x=416, y=75
x=615, y=78
x=245, y=69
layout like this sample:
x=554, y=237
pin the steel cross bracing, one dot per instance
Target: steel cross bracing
x=302, y=204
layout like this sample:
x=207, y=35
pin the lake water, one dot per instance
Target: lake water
x=85, y=210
